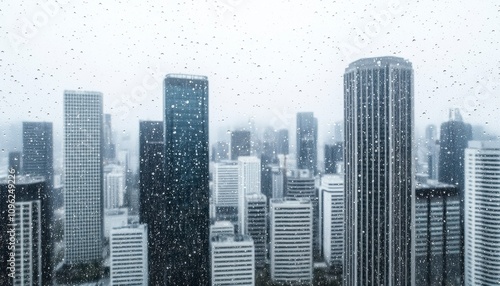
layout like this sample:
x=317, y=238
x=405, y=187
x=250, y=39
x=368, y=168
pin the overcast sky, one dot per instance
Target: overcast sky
x=266, y=59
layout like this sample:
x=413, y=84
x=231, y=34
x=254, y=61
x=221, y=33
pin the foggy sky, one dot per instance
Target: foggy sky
x=263, y=60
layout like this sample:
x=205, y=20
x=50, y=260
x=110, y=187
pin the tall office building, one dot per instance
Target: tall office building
x=108, y=145
x=220, y=151
x=225, y=179
x=113, y=186
x=83, y=224
x=256, y=225
x=152, y=197
x=453, y=140
x=278, y=182
x=301, y=184
x=240, y=144
x=233, y=261
x=29, y=224
x=332, y=200
x=307, y=140
x=482, y=213
x=432, y=144
x=438, y=243
x=15, y=162
x=334, y=156
x=248, y=184
x=38, y=151
x=128, y=246
x=221, y=228
x=379, y=172
x=282, y=144
x=291, y=241
x=186, y=179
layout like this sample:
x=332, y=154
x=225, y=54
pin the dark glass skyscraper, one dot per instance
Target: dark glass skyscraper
x=455, y=134
x=333, y=154
x=307, y=138
x=186, y=180
x=379, y=171
x=37, y=151
x=240, y=144
x=152, y=200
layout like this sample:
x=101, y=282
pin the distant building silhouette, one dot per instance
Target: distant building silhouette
x=307, y=140
x=282, y=144
x=334, y=155
x=453, y=140
x=240, y=144
x=187, y=180
x=38, y=151
x=16, y=161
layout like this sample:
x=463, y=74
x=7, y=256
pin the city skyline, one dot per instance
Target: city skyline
x=446, y=76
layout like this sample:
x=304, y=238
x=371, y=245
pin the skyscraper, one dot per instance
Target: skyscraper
x=334, y=155
x=186, y=179
x=332, y=199
x=438, y=242
x=225, y=179
x=233, y=261
x=379, y=168
x=152, y=197
x=15, y=161
x=256, y=225
x=83, y=224
x=482, y=213
x=453, y=140
x=108, y=146
x=248, y=184
x=291, y=240
x=31, y=225
x=432, y=145
x=128, y=247
x=307, y=139
x=240, y=144
x=37, y=151
x=282, y=144
x=113, y=186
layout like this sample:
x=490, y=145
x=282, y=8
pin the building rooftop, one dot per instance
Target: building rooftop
x=495, y=145
x=186, y=76
x=377, y=62
x=231, y=238
x=23, y=179
x=291, y=201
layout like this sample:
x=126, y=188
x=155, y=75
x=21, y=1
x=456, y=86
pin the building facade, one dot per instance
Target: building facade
x=332, y=199
x=482, y=210
x=38, y=157
x=291, y=241
x=187, y=179
x=379, y=171
x=129, y=255
x=83, y=201
x=233, y=261
x=307, y=141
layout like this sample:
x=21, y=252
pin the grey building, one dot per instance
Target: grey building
x=379, y=171
x=438, y=240
x=240, y=144
x=307, y=141
x=38, y=151
x=83, y=224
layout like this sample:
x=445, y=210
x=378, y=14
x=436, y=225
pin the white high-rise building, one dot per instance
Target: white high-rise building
x=129, y=255
x=83, y=224
x=233, y=261
x=226, y=184
x=248, y=184
x=28, y=247
x=114, y=186
x=256, y=225
x=482, y=213
x=332, y=197
x=221, y=228
x=114, y=218
x=292, y=240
